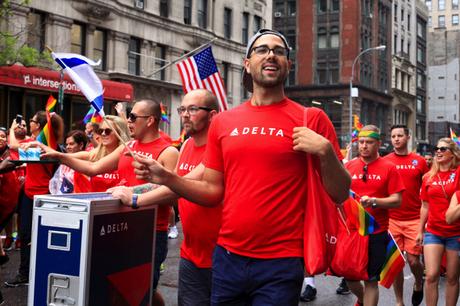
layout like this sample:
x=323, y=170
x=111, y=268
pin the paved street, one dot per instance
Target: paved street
x=168, y=285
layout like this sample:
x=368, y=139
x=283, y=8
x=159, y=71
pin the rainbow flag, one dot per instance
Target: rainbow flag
x=164, y=115
x=357, y=126
x=46, y=135
x=364, y=221
x=394, y=263
x=454, y=137
x=51, y=104
x=178, y=142
x=92, y=116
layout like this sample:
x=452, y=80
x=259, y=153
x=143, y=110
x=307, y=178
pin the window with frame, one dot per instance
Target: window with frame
x=203, y=13
x=455, y=4
x=245, y=28
x=395, y=44
x=257, y=23
x=188, y=11
x=291, y=8
x=335, y=39
x=164, y=8
x=100, y=47
x=428, y=4
x=160, y=59
x=36, y=30
x=408, y=22
x=134, y=59
x=77, y=39
x=321, y=6
x=429, y=21
x=421, y=29
x=455, y=19
x=441, y=21
x=227, y=23
x=396, y=13
x=327, y=72
x=322, y=38
x=335, y=5
x=420, y=104
x=441, y=5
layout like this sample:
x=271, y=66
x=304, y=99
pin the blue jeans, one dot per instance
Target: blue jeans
x=241, y=280
x=450, y=243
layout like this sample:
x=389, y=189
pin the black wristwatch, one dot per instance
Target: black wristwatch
x=374, y=203
x=134, y=202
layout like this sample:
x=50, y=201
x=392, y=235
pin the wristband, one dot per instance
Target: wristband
x=134, y=202
x=374, y=203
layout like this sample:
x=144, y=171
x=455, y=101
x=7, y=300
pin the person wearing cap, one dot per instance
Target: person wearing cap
x=379, y=185
x=255, y=163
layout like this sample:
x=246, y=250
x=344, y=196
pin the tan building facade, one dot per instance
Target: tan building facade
x=135, y=38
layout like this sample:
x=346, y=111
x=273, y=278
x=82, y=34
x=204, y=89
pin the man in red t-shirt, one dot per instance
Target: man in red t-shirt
x=255, y=163
x=405, y=220
x=200, y=224
x=143, y=122
x=379, y=185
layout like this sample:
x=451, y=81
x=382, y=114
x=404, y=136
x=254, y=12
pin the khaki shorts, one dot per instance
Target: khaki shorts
x=405, y=233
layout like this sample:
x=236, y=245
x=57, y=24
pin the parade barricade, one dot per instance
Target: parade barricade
x=88, y=249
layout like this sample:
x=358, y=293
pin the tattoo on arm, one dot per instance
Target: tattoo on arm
x=143, y=188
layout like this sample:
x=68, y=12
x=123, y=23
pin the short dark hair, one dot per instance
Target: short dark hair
x=79, y=137
x=153, y=108
x=400, y=126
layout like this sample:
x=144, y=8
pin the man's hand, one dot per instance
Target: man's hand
x=150, y=170
x=48, y=152
x=308, y=141
x=366, y=201
x=125, y=194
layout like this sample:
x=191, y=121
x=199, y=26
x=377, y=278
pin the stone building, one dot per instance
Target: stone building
x=134, y=39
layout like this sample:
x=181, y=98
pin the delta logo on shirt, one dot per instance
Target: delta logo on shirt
x=407, y=167
x=444, y=183
x=372, y=177
x=186, y=167
x=256, y=130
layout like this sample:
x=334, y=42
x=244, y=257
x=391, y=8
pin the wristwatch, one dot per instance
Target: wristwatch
x=134, y=202
x=374, y=203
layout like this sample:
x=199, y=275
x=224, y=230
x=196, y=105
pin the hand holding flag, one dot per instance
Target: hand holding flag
x=364, y=221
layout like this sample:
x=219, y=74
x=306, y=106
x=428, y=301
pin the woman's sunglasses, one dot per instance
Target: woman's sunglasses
x=442, y=149
x=105, y=132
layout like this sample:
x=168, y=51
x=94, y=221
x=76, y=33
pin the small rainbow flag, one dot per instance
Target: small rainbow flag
x=178, y=142
x=164, y=115
x=46, y=135
x=50, y=104
x=92, y=116
x=364, y=221
x=357, y=126
x=454, y=137
x=394, y=263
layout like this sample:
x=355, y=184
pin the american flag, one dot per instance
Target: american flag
x=200, y=71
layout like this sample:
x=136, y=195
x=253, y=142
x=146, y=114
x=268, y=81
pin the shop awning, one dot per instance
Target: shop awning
x=48, y=80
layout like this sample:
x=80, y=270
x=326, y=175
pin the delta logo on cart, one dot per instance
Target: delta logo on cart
x=113, y=228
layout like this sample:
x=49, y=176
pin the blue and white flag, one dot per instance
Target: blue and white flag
x=79, y=69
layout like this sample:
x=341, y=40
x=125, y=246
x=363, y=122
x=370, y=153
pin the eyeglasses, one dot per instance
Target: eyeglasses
x=192, y=109
x=105, y=132
x=442, y=149
x=265, y=50
x=133, y=117
x=364, y=173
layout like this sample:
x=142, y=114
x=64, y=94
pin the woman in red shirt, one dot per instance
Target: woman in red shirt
x=438, y=186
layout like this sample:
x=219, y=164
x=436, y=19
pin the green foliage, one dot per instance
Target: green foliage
x=11, y=51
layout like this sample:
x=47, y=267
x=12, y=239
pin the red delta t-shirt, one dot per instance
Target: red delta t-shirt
x=265, y=179
x=411, y=167
x=200, y=224
x=38, y=177
x=382, y=180
x=126, y=171
x=433, y=193
x=104, y=181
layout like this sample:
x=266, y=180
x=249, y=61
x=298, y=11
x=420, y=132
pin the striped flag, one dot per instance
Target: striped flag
x=50, y=104
x=80, y=71
x=164, y=115
x=394, y=263
x=200, y=71
x=178, y=142
x=46, y=135
x=364, y=221
x=454, y=137
x=357, y=126
x=92, y=116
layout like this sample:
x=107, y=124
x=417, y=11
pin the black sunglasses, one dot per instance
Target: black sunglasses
x=442, y=149
x=106, y=132
x=364, y=178
x=133, y=117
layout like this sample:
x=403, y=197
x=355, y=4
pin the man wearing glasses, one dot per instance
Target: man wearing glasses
x=143, y=123
x=200, y=224
x=380, y=186
x=255, y=163
x=405, y=220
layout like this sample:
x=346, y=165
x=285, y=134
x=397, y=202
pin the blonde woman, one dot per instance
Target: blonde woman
x=438, y=186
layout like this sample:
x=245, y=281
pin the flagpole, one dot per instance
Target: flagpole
x=182, y=57
x=404, y=258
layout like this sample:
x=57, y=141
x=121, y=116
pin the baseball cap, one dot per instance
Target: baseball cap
x=247, y=78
